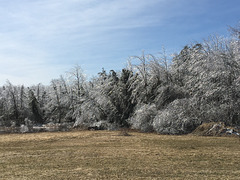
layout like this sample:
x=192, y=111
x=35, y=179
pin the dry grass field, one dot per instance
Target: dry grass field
x=107, y=155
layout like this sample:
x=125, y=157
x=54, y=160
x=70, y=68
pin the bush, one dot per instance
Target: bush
x=143, y=117
x=24, y=128
x=168, y=94
x=175, y=119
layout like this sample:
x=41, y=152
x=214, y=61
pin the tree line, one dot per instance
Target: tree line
x=173, y=95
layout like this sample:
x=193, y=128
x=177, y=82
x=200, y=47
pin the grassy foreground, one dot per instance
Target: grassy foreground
x=106, y=155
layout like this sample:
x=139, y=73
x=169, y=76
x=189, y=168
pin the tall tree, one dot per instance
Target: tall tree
x=37, y=114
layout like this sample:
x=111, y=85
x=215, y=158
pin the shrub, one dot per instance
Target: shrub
x=176, y=118
x=143, y=117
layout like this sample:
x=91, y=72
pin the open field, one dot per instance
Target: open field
x=106, y=155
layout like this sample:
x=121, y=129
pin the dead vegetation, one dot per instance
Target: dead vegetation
x=215, y=129
x=124, y=132
x=106, y=155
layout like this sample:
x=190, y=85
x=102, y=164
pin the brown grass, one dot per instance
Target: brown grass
x=106, y=155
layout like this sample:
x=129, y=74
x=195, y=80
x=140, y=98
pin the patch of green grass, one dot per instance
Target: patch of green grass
x=106, y=155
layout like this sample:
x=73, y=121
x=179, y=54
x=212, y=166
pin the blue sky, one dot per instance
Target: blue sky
x=42, y=39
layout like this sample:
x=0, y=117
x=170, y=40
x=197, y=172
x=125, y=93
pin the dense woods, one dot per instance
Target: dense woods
x=173, y=95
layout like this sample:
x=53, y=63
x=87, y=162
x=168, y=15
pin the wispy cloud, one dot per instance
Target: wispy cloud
x=41, y=39
x=36, y=35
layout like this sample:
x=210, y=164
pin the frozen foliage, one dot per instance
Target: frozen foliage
x=24, y=128
x=162, y=93
x=143, y=117
x=167, y=94
x=208, y=72
x=176, y=118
